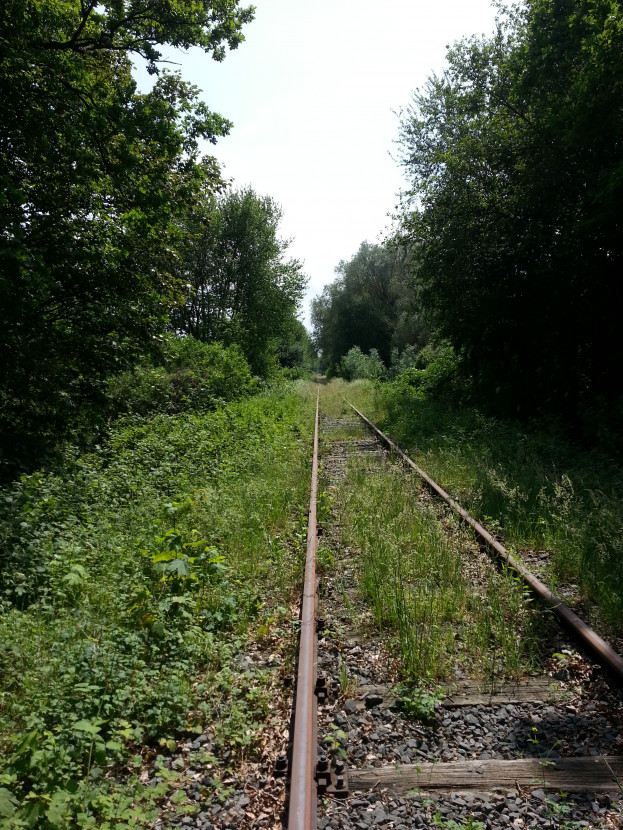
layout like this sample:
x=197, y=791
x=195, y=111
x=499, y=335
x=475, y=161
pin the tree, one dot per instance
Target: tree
x=95, y=180
x=295, y=350
x=242, y=289
x=364, y=305
x=514, y=157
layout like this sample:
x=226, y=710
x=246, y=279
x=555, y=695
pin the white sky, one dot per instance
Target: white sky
x=312, y=93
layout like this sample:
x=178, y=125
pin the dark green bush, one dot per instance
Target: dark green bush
x=434, y=370
x=356, y=365
x=195, y=376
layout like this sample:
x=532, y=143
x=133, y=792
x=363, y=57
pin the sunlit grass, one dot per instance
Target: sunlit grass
x=530, y=485
x=413, y=573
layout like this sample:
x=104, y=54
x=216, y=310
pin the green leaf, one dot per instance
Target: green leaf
x=8, y=803
x=57, y=811
x=28, y=742
x=86, y=726
x=99, y=752
x=163, y=556
x=181, y=567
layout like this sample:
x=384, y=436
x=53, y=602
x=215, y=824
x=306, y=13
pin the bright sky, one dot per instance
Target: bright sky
x=313, y=93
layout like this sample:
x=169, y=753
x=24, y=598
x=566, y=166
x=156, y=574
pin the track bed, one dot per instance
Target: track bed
x=541, y=749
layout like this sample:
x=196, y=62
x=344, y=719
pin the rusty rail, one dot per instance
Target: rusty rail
x=604, y=653
x=302, y=809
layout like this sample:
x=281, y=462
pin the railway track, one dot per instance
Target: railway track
x=539, y=749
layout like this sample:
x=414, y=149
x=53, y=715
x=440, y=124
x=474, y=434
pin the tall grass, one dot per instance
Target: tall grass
x=415, y=573
x=335, y=392
x=528, y=483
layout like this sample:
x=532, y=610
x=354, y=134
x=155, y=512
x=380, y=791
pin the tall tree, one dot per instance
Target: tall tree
x=516, y=198
x=95, y=179
x=242, y=288
x=363, y=306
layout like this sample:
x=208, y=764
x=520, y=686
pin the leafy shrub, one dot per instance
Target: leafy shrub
x=195, y=376
x=432, y=371
x=401, y=361
x=118, y=577
x=356, y=365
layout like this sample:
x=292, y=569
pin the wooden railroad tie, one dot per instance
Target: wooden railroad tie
x=599, y=774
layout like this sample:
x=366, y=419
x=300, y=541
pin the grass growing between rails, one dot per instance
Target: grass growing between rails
x=528, y=484
x=335, y=393
x=129, y=581
x=415, y=572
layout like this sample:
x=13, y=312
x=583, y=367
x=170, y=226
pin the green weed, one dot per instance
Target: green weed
x=450, y=824
x=129, y=579
x=412, y=572
x=530, y=484
x=417, y=702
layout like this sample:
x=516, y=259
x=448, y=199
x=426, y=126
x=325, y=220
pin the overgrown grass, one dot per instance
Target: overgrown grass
x=529, y=484
x=129, y=580
x=415, y=573
x=334, y=394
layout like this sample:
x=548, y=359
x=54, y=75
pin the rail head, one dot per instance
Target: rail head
x=302, y=804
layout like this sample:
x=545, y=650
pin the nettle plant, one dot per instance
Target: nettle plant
x=188, y=579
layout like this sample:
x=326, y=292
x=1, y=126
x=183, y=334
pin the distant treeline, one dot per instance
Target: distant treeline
x=114, y=227
x=510, y=238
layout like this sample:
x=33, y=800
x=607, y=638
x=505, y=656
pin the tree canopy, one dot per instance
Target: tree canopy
x=95, y=182
x=368, y=306
x=242, y=289
x=515, y=160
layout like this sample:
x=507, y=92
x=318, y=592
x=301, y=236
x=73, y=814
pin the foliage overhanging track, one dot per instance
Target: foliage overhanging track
x=602, y=651
x=302, y=808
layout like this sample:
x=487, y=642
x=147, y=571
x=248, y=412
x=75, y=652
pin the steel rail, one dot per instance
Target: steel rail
x=600, y=648
x=302, y=809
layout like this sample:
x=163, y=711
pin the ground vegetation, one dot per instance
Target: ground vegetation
x=130, y=580
x=553, y=502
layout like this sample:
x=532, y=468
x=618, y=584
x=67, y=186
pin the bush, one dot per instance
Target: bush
x=128, y=581
x=435, y=369
x=356, y=365
x=196, y=376
x=401, y=361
